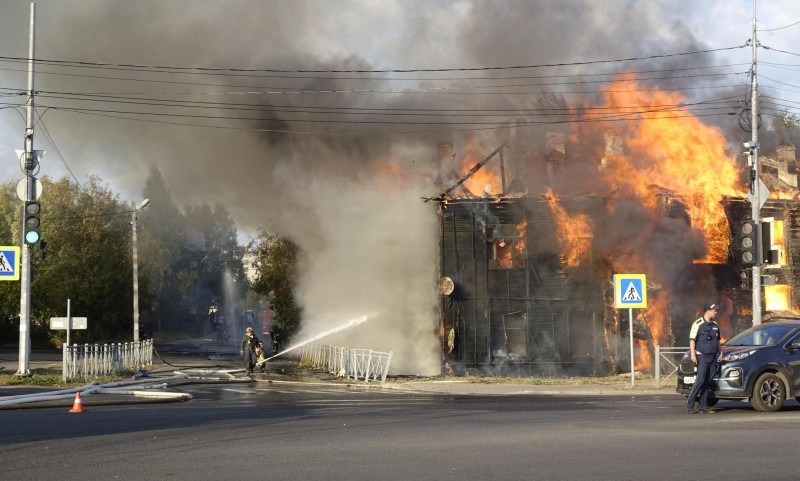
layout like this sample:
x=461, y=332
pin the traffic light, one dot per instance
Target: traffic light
x=744, y=279
x=748, y=242
x=32, y=222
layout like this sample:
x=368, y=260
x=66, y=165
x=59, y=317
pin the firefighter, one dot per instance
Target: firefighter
x=706, y=352
x=261, y=358
x=248, y=350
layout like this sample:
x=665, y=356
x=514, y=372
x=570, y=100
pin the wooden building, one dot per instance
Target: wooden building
x=513, y=302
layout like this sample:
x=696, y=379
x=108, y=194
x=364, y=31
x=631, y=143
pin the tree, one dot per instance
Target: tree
x=161, y=243
x=787, y=127
x=276, y=278
x=10, y=222
x=223, y=254
x=788, y=120
x=87, y=230
x=87, y=262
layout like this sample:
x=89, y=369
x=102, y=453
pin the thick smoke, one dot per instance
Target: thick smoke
x=351, y=201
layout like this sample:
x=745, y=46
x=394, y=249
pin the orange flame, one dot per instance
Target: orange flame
x=574, y=232
x=485, y=181
x=643, y=361
x=778, y=297
x=674, y=150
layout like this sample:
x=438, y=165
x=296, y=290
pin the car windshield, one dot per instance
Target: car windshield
x=763, y=335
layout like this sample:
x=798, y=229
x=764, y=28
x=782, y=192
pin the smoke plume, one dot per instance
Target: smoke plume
x=349, y=194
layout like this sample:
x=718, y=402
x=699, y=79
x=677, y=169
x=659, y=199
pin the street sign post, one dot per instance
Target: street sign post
x=69, y=322
x=630, y=291
x=61, y=323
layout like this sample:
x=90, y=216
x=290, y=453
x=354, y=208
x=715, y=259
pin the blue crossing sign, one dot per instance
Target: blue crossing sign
x=9, y=263
x=630, y=291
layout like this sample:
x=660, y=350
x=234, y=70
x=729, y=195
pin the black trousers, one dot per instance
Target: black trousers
x=706, y=367
x=249, y=360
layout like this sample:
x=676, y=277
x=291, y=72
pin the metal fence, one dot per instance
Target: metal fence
x=667, y=361
x=91, y=360
x=355, y=363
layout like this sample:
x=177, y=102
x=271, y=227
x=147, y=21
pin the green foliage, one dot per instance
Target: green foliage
x=51, y=380
x=789, y=120
x=223, y=254
x=276, y=277
x=87, y=231
x=86, y=234
x=88, y=259
x=161, y=243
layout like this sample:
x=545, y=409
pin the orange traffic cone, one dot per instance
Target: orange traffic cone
x=77, y=406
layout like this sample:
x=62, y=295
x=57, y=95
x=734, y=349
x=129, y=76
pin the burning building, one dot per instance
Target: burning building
x=530, y=241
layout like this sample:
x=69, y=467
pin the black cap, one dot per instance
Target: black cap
x=710, y=306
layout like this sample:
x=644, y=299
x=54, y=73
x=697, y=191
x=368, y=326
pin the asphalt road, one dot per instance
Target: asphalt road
x=309, y=431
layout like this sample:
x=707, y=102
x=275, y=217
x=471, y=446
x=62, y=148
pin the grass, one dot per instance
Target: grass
x=50, y=378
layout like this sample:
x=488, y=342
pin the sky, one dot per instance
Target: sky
x=320, y=118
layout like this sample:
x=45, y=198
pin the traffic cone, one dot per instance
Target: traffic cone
x=77, y=406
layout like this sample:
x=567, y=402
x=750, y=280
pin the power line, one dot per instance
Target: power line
x=323, y=110
x=344, y=121
x=76, y=63
x=504, y=126
x=58, y=152
x=779, y=50
x=779, y=28
x=468, y=90
x=373, y=78
x=779, y=82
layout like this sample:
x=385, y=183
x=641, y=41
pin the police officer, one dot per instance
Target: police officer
x=704, y=347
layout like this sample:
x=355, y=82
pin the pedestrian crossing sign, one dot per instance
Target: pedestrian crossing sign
x=630, y=291
x=9, y=263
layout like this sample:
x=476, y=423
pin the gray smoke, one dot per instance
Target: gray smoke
x=350, y=197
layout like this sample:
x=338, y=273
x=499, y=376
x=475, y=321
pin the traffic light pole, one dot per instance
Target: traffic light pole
x=755, y=185
x=28, y=167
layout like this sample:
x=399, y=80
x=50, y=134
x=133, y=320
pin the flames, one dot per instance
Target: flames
x=574, y=232
x=484, y=182
x=667, y=146
x=511, y=252
x=655, y=149
x=777, y=297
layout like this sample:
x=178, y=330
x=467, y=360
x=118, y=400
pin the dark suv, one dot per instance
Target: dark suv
x=760, y=365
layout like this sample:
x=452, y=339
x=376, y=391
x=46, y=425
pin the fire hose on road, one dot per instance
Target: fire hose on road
x=135, y=388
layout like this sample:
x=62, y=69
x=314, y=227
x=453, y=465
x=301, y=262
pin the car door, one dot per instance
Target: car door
x=793, y=350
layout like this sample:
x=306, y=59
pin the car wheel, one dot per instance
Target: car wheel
x=768, y=393
x=711, y=400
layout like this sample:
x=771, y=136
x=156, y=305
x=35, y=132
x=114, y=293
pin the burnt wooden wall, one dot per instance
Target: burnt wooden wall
x=539, y=318
x=547, y=318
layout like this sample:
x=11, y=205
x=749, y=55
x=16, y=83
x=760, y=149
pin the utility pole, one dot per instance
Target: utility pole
x=755, y=182
x=134, y=219
x=29, y=164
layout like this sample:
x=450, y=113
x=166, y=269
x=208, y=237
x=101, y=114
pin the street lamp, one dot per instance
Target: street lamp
x=135, y=217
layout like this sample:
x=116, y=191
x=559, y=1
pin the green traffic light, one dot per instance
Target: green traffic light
x=31, y=237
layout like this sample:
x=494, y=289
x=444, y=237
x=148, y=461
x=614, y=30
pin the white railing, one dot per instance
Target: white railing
x=671, y=356
x=91, y=360
x=355, y=363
